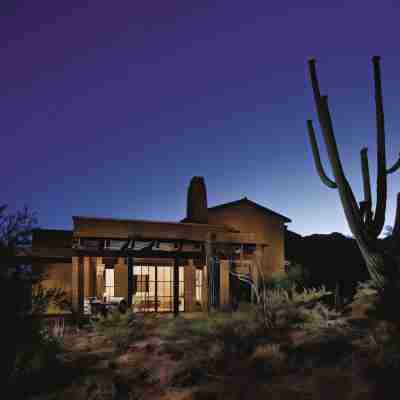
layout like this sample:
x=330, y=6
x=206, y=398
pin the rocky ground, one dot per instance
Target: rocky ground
x=186, y=360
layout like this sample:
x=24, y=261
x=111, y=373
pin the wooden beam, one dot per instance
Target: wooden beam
x=85, y=227
x=137, y=253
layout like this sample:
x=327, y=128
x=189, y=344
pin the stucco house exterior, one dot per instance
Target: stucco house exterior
x=164, y=266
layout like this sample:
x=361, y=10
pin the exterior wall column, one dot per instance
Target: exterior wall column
x=99, y=278
x=78, y=284
x=204, y=290
x=121, y=279
x=189, y=286
x=93, y=276
x=209, y=267
x=224, y=299
x=88, y=267
x=176, y=286
x=257, y=267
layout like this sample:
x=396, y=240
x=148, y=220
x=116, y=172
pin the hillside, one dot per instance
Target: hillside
x=329, y=259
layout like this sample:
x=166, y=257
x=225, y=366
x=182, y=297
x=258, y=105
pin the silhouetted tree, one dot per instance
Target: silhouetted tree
x=15, y=235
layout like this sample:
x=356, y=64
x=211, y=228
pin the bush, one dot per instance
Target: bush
x=36, y=351
x=37, y=356
x=49, y=300
x=284, y=307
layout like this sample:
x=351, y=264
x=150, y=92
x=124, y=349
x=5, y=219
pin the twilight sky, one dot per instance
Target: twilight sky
x=108, y=108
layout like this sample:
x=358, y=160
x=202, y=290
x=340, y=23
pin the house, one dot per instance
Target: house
x=157, y=266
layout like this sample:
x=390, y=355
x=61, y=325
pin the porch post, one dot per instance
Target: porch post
x=176, y=284
x=189, y=285
x=176, y=280
x=99, y=278
x=78, y=282
x=120, y=278
x=208, y=275
x=81, y=285
x=93, y=277
x=224, y=284
x=130, y=264
x=88, y=274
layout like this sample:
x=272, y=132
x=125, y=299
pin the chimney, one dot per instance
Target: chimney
x=197, y=201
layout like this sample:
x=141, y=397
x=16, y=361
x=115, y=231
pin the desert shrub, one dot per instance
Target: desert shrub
x=278, y=281
x=381, y=350
x=37, y=355
x=284, y=307
x=49, y=300
x=365, y=289
x=114, y=319
x=268, y=359
x=377, y=303
x=237, y=339
x=120, y=338
x=190, y=372
x=326, y=350
x=309, y=295
x=36, y=352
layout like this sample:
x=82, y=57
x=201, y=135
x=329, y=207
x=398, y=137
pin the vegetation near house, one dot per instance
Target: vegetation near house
x=27, y=349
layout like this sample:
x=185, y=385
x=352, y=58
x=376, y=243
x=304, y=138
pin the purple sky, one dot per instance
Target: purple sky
x=109, y=108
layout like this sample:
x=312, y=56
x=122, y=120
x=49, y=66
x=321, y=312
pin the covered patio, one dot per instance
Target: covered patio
x=157, y=266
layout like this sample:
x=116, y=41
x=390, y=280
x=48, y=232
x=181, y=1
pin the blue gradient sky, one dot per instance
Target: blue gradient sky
x=109, y=108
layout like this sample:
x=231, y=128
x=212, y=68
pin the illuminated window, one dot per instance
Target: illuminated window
x=199, y=283
x=109, y=282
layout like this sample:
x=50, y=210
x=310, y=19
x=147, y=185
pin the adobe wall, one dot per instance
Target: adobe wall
x=57, y=275
x=266, y=227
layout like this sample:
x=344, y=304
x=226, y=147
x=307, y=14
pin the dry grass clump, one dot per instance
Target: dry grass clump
x=269, y=359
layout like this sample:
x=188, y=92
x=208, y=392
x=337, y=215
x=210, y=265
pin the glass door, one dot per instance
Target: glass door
x=153, y=288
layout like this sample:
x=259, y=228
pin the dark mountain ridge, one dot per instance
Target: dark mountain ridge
x=328, y=259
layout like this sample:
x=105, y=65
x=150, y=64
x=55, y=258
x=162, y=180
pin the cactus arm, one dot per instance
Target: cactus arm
x=394, y=167
x=363, y=209
x=347, y=198
x=317, y=159
x=366, y=185
x=321, y=104
x=347, y=195
x=396, y=226
x=381, y=183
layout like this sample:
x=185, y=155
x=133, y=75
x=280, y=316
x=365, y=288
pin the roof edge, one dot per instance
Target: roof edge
x=74, y=217
x=252, y=203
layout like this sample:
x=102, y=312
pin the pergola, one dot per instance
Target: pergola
x=202, y=244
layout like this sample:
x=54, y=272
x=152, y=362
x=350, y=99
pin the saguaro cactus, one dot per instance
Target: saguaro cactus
x=364, y=224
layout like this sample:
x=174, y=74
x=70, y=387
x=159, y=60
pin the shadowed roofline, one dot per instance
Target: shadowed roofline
x=245, y=200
